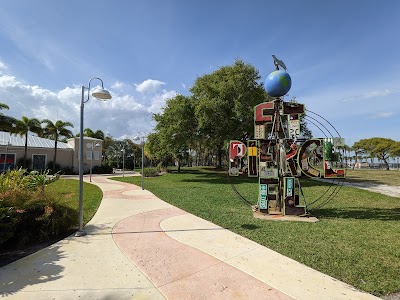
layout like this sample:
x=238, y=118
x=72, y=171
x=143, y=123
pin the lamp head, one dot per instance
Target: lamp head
x=101, y=94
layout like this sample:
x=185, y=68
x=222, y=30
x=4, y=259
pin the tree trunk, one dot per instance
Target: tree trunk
x=219, y=153
x=179, y=166
x=386, y=164
x=55, y=155
x=26, y=149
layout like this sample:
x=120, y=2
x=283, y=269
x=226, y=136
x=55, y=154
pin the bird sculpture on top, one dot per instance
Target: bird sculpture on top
x=278, y=62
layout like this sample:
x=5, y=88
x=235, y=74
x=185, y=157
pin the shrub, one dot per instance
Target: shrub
x=36, y=220
x=68, y=171
x=25, y=213
x=103, y=169
x=162, y=168
x=150, y=172
x=20, y=162
x=38, y=180
x=13, y=180
x=50, y=167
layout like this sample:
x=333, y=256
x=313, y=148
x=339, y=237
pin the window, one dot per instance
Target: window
x=38, y=161
x=7, y=162
x=88, y=155
x=96, y=155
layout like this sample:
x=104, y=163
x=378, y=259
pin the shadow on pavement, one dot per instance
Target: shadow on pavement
x=34, y=269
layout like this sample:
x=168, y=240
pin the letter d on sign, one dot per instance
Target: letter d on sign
x=237, y=149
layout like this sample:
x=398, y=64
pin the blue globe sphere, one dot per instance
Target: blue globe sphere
x=278, y=83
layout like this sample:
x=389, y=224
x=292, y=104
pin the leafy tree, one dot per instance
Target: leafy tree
x=156, y=150
x=23, y=127
x=115, y=152
x=176, y=129
x=357, y=151
x=395, y=152
x=55, y=131
x=224, y=102
x=376, y=147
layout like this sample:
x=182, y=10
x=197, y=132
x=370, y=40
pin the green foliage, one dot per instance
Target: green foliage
x=376, y=147
x=55, y=131
x=151, y=172
x=26, y=216
x=23, y=127
x=13, y=180
x=68, y=171
x=220, y=108
x=176, y=130
x=53, y=168
x=224, y=103
x=395, y=150
x=98, y=134
x=38, y=180
x=6, y=122
x=103, y=169
x=21, y=161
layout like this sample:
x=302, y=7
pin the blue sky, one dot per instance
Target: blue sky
x=343, y=57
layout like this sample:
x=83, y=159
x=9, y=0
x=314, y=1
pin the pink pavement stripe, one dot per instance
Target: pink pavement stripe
x=180, y=271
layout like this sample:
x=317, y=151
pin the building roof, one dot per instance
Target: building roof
x=33, y=141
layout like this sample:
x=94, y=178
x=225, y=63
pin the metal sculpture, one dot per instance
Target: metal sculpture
x=279, y=156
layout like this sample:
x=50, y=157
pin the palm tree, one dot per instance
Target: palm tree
x=6, y=122
x=346, y=149
x=23, y=127
x=88, y=132
x=98, y=134
x=55, y=130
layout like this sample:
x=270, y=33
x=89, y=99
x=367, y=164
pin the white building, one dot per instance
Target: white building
x=41, y=151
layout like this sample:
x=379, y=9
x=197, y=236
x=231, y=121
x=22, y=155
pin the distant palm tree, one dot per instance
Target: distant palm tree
x=6, y=122
x=88, y=132
x=347, y=150
x=23, y=127
x=55, y=130
x=98, y=134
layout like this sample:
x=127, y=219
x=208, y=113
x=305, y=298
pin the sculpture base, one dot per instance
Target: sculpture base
x=276, y=217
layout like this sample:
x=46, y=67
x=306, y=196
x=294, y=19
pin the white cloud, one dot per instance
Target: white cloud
x=7, y=81
x=382, y=115
x=367, y=95
x=3, y=66
x=149, y=86
x=158, y=101
x=124, y=116
x=118, y=85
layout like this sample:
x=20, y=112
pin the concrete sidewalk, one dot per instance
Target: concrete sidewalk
x=140, y=247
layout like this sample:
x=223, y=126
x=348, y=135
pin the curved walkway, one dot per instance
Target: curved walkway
x=140, y=247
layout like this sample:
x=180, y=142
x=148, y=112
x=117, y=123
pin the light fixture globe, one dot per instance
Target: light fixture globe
x=101, y=94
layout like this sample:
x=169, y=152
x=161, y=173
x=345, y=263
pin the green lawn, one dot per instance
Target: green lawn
x=66, y=192
x=389, y=177
x=357, y=239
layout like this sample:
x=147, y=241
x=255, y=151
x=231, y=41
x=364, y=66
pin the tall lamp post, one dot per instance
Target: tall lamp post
x=92, y=146
x=123, y=161
x=102, y=95
x=141, y=138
